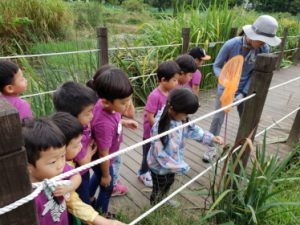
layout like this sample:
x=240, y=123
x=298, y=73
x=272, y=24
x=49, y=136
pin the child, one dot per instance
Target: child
x=167, y=74
x=118, y=188
x=79, y=101
x=45, y=148
x=114, y=89
x=199, y=56
x=166, y=155
x=72, y=130
x=12, y=84
x=188, y=67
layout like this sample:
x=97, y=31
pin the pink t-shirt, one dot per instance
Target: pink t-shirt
x=106, y=128
x=196, y=79
x=155, y=101
x=86, y=138
x=52, y=211
x=21, y=105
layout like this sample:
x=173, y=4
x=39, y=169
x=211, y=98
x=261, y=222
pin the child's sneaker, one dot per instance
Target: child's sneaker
x=209, y=155
x=146, y=179
x=119, y=190
x=173, y=203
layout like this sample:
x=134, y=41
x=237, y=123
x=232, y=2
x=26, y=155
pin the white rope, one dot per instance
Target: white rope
x=283, y=84
x=137, y=77
x=122, y=151
x=288, y=50
x=84, y=51
x=139, y=144
x=145, y=214
x=49, y=54
x=293, y=36
x=144, y=47
x=37, y=94
x=39, y=187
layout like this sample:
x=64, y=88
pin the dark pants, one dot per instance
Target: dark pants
x=144, y=166
x=83, y=192
x=161, y=186
x=103, y=198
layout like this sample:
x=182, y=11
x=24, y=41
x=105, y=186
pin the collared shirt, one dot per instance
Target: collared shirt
x=231, y=48
x=170, y=158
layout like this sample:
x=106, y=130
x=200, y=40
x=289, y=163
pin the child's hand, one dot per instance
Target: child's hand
x=132, y=124
x=62, y=190
x=115, y=222
x=218, y=140
x=105, y=181
x=92, y=148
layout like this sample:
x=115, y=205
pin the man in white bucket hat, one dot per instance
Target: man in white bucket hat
x=253, y=40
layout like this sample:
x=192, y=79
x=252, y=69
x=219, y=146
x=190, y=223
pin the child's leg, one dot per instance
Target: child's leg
x=161, y=186
x=105, y=192
x=83, y=189
x=116, y=168
x=93, y=185
x=144, y=166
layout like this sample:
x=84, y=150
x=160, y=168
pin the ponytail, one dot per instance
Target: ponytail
x=164, y=124
x=100, y=71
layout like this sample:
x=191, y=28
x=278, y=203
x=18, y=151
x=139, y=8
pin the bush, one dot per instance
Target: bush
x=134, y=5
x=23, y=22
x=87, y=14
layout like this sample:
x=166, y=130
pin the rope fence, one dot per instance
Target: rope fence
x=40, y=186
x=210, y=44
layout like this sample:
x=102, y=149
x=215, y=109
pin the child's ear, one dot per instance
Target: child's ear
x=105, y=102
x=8, y=89
x=30, y=168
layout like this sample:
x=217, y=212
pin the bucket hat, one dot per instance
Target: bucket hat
x=263, y=29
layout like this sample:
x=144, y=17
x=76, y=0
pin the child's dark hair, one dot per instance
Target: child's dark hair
x=181, y=100
x=68, y=124
x=102, y=69
x=40, y=135
x=7, y=73
x=73, y=97
x=167, y=70
x=186, y=63
x=113, y=84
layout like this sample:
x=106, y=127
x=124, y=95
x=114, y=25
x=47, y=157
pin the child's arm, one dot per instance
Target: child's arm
x=197, y=133
x=130, y=111
x=106, y=178
x=86, y=213
x=195, y=89
x=62, y=190
x=128, y=123
x=151, y=118
x=91, y=150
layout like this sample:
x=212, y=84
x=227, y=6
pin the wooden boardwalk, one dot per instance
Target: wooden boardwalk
x=279, y=102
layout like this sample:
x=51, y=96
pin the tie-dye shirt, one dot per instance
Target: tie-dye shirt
x=170, y=159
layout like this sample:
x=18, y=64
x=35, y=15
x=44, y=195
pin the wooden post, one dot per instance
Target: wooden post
x=282, y=47
x=185, y=40
x=296, y=56
x=294, y=135
x=233, y=32
x=15, y=182
x=103, y=46
x=260, y=82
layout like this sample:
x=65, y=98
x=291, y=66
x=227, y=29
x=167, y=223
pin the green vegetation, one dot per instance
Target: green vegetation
x=257, y=193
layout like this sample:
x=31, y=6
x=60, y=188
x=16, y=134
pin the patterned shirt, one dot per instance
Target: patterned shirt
x=170, y=158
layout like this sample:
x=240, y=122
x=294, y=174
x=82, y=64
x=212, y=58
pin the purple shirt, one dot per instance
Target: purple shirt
x=52, y=211
x=86, y=138
x=21, y=105
x=107, y=128
x=155, y=101
x=196, y=79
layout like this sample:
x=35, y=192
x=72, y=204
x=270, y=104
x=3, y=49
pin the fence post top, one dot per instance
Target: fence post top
x=265, y=62
x=101, y=31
